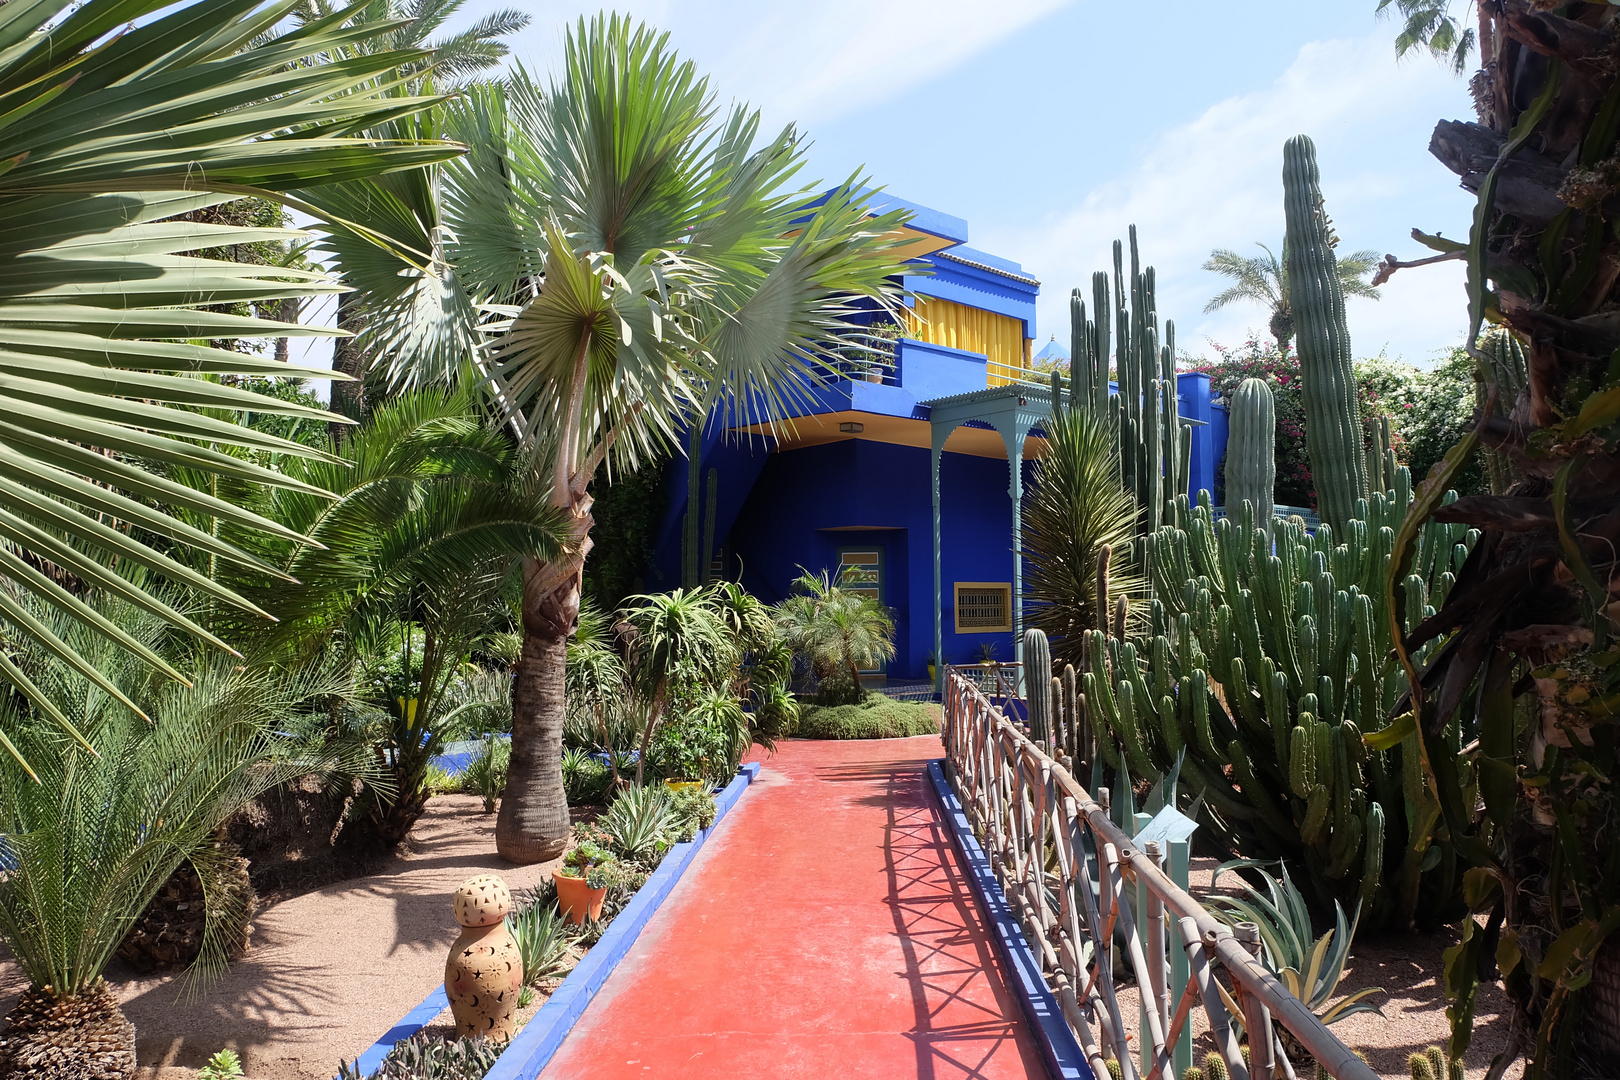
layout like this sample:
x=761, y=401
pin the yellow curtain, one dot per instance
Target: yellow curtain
x=957, y=326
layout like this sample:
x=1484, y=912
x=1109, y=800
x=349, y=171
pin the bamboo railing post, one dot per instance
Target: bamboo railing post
x=1256, y=1018
x=1020, y=798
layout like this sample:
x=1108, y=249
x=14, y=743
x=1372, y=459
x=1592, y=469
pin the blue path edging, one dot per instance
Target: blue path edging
x=1064, y=1057
x=534, y=1046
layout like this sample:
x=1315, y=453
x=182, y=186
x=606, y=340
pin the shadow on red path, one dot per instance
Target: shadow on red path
x=826, y=931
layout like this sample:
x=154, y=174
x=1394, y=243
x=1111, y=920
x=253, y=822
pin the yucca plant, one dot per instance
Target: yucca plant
x=1309, y=966
x=640, y=822
x=94, y=833
x=118, y=116
x=1077, y=506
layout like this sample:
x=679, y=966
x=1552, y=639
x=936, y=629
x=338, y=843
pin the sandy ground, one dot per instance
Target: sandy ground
x=327, y=972
x=1414, y=1008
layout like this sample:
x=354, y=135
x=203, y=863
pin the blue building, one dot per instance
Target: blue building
x=921, y=430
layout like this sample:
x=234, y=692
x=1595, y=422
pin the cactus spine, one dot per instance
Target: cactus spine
x=1155, y=448
x=1332, y=418
x=1251, y=451
x=1038, y=685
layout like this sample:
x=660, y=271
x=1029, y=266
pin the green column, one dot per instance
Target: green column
x=938, y=433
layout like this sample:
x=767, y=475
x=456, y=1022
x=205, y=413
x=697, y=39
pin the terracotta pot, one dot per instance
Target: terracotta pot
x=577, y=899
x=484, y=974
x=682, y=785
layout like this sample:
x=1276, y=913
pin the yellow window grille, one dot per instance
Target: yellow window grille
x=983, y=607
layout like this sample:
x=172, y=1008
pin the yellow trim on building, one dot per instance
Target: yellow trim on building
x=957, y=326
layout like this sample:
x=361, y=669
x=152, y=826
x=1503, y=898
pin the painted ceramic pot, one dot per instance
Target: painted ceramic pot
x=576, y=899
x=485, y=971
x=682, y=785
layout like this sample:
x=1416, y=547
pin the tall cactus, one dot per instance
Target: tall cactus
x=1038, y=686
x=1269, y=659
x=1155, y=448
x=1503, y=371
x=710, y=508
x=1251, y=451
x=1333, y=436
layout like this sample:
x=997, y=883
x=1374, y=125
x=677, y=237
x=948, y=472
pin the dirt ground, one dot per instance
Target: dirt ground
x=327, y=972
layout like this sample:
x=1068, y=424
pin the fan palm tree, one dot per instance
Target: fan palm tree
x=93, y=833
x=838, y=631
x=679, y=645
x=404, y=25
x=409, y=559
x=1264, y=280
x=119, y=114
x=619, y=258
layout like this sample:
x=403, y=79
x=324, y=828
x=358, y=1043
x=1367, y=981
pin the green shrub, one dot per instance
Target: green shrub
x=877, y=717
x=485, y=775
x=585, y=780
x=541, y=937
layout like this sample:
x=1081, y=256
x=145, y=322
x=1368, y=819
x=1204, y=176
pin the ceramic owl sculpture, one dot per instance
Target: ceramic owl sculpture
x=485, y=969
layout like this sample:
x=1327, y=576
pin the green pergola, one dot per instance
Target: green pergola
x=1013, y=411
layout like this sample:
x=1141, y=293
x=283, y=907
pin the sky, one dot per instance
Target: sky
x=1052, y=126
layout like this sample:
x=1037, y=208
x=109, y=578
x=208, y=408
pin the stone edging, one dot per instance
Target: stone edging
x=540, y=1038
x=1060, y=1049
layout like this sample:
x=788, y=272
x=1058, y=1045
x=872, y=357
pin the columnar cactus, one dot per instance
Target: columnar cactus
x=1269, y=659
x=1038, y=685
x=1251, y=451
x=709, y=510
x=1155, y=447
x=1503, y=369
x=1332, y=418
x=1380, y=454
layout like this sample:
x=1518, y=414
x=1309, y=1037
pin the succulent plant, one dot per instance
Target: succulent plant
x=1038, y=686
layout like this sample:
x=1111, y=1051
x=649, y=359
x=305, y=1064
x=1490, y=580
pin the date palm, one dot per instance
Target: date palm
x=1263, y=279
x=118, y=116
x=619, y=258
x=837, y=630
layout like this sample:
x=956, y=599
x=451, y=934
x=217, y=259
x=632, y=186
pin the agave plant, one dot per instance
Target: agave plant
x=119, y=116
x=1309, y=966
x=542, y=939
x=640, y=822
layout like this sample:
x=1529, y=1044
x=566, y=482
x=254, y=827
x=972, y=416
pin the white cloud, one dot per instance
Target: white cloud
x=1216, y=182
x=841, y=56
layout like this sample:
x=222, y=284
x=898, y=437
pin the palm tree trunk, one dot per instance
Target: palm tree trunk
x=533, y=825
x=349, y=358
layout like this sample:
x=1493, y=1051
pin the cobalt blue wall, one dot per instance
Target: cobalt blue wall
x=805, y=500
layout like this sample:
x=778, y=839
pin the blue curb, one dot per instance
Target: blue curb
x=1064, y=1058
x=533, y=1047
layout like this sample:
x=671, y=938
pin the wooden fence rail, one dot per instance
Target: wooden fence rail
x=1069, y=873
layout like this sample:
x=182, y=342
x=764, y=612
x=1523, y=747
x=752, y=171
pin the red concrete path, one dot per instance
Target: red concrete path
x=826, y=931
